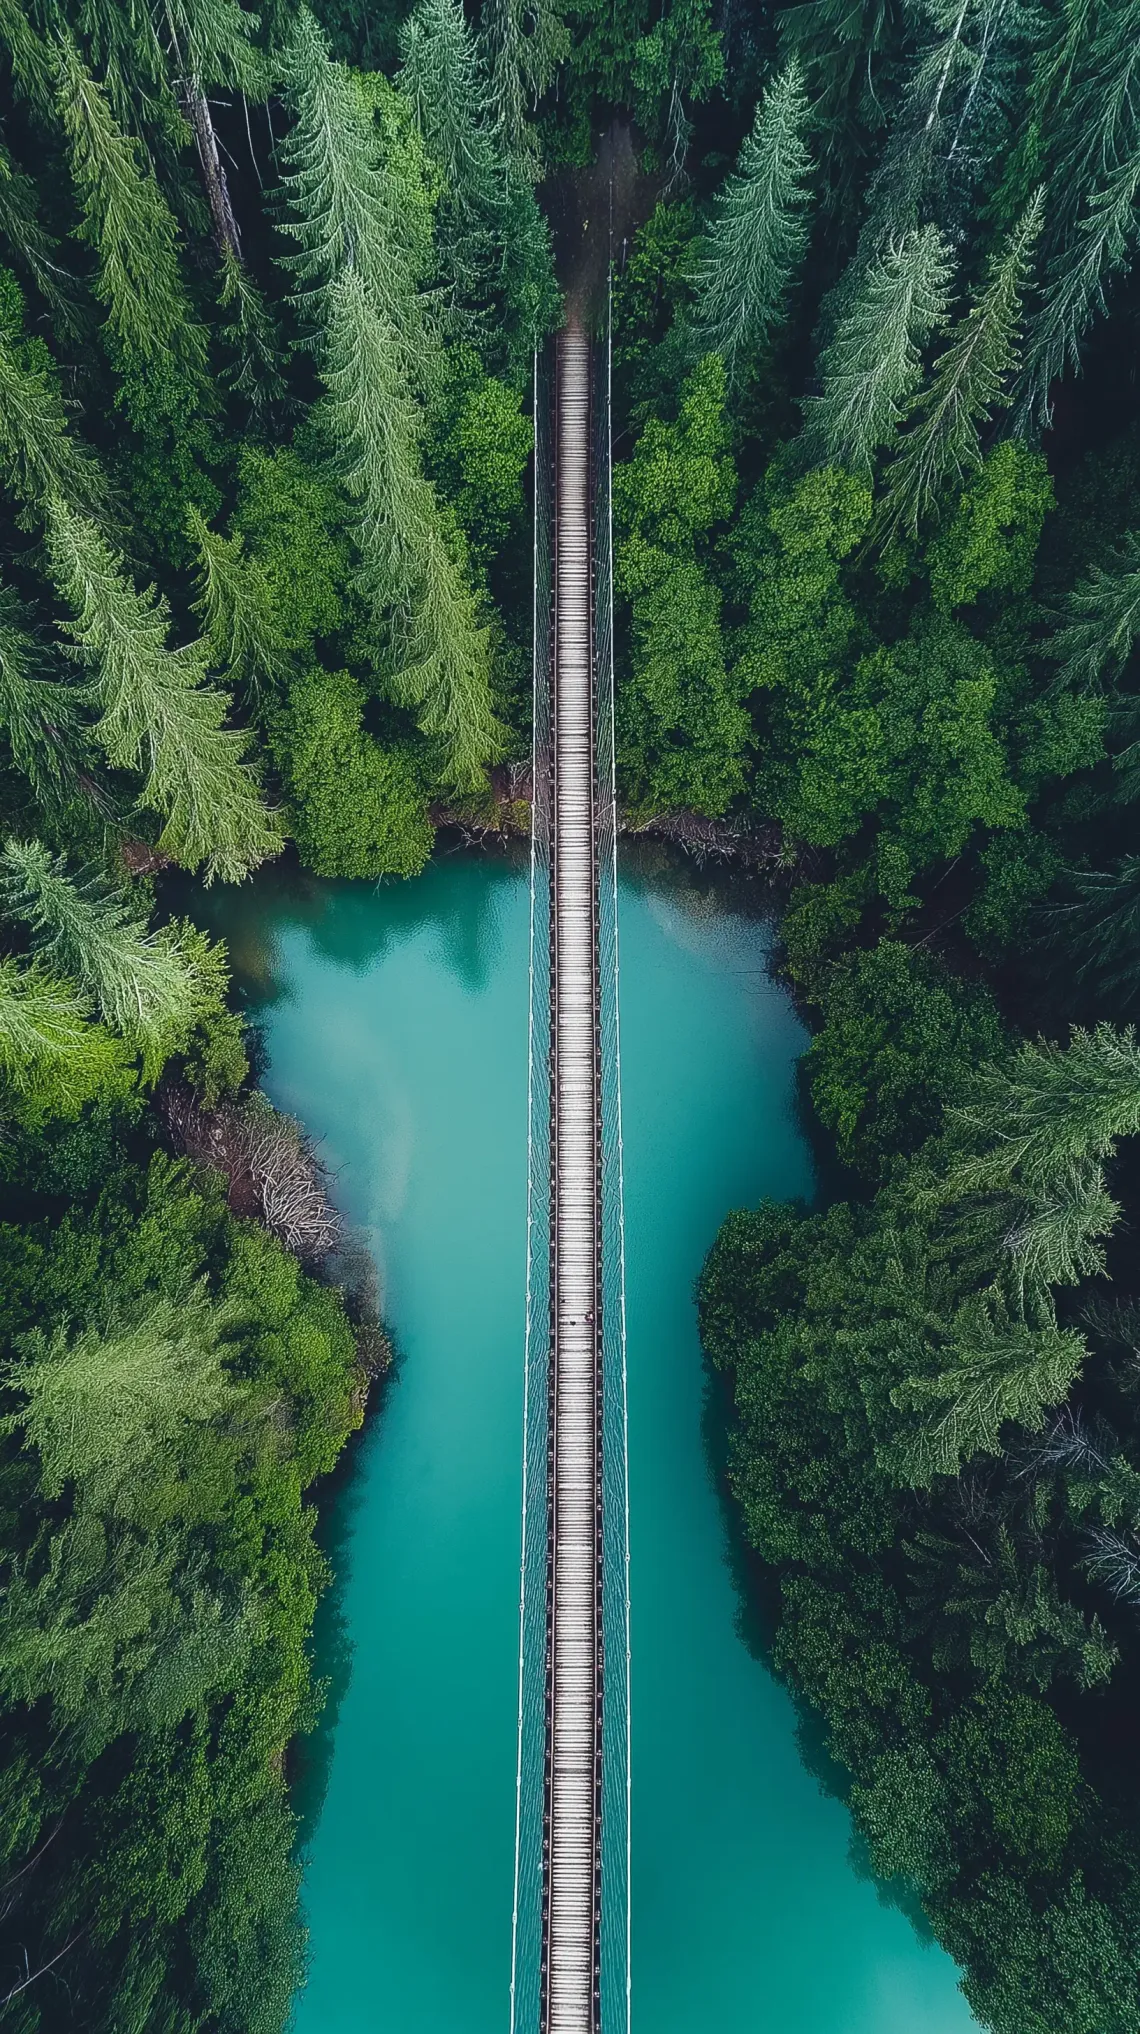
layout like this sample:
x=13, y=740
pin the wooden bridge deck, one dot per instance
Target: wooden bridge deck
x=571, y=1862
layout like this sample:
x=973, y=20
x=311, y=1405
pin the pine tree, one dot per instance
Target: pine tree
x=501, y=35
x=128, y=223
x=440, y=78
x=1074, y=288
x=873, y=366
x=967, y=383
x=372, y=425
x=211, y=43
x=759, y=234
x=38, y=715
x=1104, y=611
x=39, y=455
x=237, y=612
x=157, y=713
x=32, y=61
x=141, y=982
x=255, y=375
x=35, y=248
x=1036, y=1132
x=50, y=1055
x=447, y=670
x=1096, y=925
x=347, y=208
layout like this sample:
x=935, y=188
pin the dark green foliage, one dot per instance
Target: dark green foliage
x=682, y=731
x=359, y=810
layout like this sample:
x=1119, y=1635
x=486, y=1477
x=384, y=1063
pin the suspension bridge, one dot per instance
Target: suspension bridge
x=570, y=1970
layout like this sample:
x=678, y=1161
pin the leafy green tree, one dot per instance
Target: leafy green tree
x=872, y=368
x=238, y=615
x=357, y=809
x=968, y=381
x=990, y=544
x=681, y=728
x=898, y=1039
x=758, y=235
x=157, y=713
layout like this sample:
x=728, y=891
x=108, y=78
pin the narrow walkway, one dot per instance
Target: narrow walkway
x=574, y=1629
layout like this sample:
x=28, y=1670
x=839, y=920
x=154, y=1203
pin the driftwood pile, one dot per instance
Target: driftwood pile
x=270, y=1167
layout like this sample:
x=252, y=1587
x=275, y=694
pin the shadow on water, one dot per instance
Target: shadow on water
x=343, y=923
x=339, y=1499
x=756, y=1622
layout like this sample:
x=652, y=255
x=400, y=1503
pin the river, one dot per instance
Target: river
x=395, y=1023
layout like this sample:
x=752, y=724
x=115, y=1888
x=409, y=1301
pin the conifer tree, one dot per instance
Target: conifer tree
x=346, y=205
x=968, y=381
x=131, y=229
x=759, y=233
x=1096, y=925
x=211, y=43
x=34, y=247
x=38, y=453
x=873, y=366
x=371, y=424
x=440, y=78
x=237, y=612
x=446, y=674
x=255, y=375
x=1074, y=287
x=158, y=715
x=50, y=1055
x=38, y=715
x=501, y=35
x=142, y=983
x=1104, y=611
x=32, y=61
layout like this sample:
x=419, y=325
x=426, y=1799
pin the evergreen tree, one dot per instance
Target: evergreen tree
x=32, y=61
x=446, y=672
x=157, y=713
x=237, y=612
x=759, y=233
x=211, y=43
x=1035, y=1133
x=371, y=424
x=255, y=376
x=40, y=456
x=142, y=983
x=128, y=223
x=504, y=46
x=873, y=366
x=493, y=240
x=967, y=383
x=1095, y=925
x=35, y=249
x=848, y=52
x=1104, y=619
x=1074, y=287
x=51, y=1057
x=347, y=206
x=38, y=715
x=441, y=80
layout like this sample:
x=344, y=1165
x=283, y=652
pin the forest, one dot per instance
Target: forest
x=271, y=282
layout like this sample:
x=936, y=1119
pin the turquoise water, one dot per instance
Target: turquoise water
x=396, y=1028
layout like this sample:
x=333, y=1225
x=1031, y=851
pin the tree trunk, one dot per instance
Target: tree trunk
x=213, y=175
